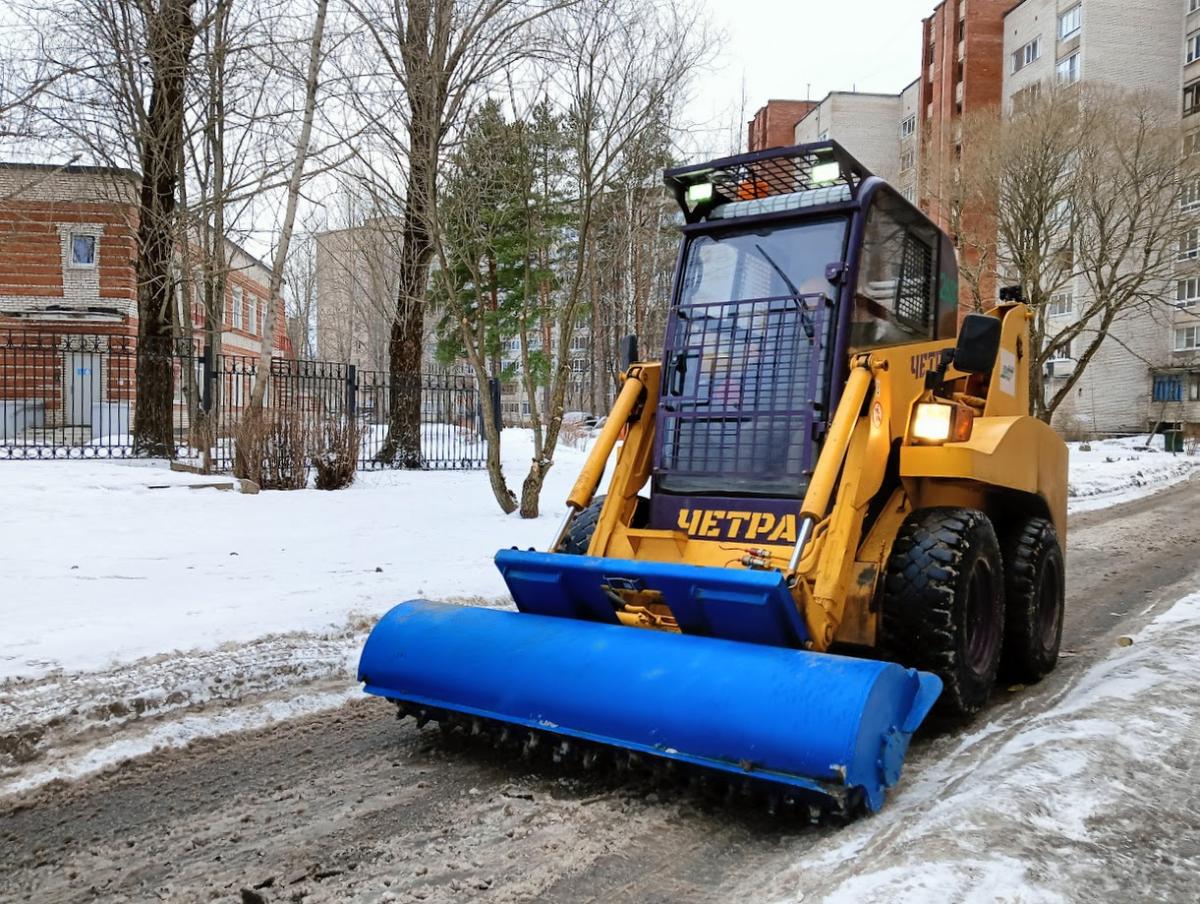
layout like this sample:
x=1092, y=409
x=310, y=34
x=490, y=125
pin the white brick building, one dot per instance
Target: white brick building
x=1142, y=48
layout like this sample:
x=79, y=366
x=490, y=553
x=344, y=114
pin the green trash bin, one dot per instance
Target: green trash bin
x=1173, y=440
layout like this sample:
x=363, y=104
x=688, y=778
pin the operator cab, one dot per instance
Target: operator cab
x=791, y=259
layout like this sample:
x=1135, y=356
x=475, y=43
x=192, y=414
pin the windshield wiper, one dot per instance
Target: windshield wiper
x=805, y=321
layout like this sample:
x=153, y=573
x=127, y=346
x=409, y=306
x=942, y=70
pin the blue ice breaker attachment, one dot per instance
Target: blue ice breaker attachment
x=737, y=604
x=819, y=724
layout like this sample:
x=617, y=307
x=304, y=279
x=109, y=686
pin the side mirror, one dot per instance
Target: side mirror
x=629, y=351
x=978, y=344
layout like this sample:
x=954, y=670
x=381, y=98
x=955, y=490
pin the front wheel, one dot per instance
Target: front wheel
x=943, y=604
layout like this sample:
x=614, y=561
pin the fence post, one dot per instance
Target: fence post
x=351, y=390
x=206, y=377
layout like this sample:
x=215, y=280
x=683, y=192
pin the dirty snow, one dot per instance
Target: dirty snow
x=1035, y=806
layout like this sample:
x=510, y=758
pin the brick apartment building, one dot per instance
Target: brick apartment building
x=774, y=124
x=68, y=297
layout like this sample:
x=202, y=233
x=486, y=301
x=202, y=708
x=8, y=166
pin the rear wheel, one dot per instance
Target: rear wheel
x=579, y=534
x=1035, y=589
x=943, y=606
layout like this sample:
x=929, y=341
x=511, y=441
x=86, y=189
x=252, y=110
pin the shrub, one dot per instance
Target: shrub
x=271, y=449
x=336, y=460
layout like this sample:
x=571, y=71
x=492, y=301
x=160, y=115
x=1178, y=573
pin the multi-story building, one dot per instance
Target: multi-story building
x=357, y=280
x=773, y=125
x=69, y=299
x=867, y=125
x=1099, y=41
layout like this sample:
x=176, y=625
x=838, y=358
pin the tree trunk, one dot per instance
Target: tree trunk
x=169, y=42
x=402, y=446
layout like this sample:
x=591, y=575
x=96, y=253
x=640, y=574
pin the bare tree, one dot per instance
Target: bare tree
x=622, y=70
x=274, y=289
x=438, y=55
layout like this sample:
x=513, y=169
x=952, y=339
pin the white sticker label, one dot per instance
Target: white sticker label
x=1008, y=372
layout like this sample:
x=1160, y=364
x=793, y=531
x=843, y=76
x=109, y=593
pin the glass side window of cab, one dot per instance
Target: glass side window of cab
x=894, y=298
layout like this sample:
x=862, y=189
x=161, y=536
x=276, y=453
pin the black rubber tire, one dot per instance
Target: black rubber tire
x=579, y=534
x=943, y=604
x=1035, y=593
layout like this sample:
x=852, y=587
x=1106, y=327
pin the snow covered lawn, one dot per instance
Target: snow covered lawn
x=97, y=568
x=100, y=569
x=1110, y=471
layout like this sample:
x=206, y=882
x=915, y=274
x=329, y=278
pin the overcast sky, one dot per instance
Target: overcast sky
x=806, y=48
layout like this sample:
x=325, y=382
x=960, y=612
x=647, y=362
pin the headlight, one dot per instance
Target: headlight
x=938, y=422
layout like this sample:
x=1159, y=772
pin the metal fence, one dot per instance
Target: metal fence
x=74, y=396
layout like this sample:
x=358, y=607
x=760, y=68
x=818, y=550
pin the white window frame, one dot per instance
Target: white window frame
x=1068, y=70
x=1070, y=22
x=1189, y=244
x=1026, y=54
x=908, y=159
x=255, y=329
x=1192, y=47
x=1193, y=387
x=1191, y=142
x=1187, y=291
x=1061, y=304
x=1193, y=6
x=908, y=125
x=1189, y=196
x=235, y=320
x=1184, y=344
x=78, y=264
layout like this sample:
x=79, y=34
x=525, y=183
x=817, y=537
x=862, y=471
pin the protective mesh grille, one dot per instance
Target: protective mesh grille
x=739, y=389
x=916, y=276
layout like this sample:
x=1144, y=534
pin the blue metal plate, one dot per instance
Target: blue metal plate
x=735, y=604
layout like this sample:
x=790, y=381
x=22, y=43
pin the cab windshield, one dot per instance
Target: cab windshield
x=745, y=352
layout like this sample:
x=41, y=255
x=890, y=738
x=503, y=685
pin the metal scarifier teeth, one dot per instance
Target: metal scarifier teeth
x=707, y=784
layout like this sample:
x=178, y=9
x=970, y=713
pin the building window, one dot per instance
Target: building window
x=1189, y=244
x=1070, y=22
x=1023, y=56
x=1191, y=99
x=1062, y=351
x=908, y=126
x=1194, y=387
x=1189, y=195
x=1060, y=304
x=1191, y=143
x=83, y=250
x=907, y=160
x=1187, y=338
x=1026, y=97
x=1188, y=290
x=253, y=326
x=1168, y=389
x=1193, y=5
x=1193, y=47
x=1068, y=69
x=910, y=194
x=237, y=308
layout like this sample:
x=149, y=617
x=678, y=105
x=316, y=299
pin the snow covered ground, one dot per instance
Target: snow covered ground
x=1106, y=472
x=1038, y=806
x=135, y=610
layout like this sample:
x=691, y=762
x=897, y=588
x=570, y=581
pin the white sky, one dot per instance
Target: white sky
x=804, y=48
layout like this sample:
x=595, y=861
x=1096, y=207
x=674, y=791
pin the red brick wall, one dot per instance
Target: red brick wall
x=774, y=126
x=982, y=77
x=31, y=255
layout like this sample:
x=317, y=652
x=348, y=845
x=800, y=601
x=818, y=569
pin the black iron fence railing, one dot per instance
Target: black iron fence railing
x=74, y=396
